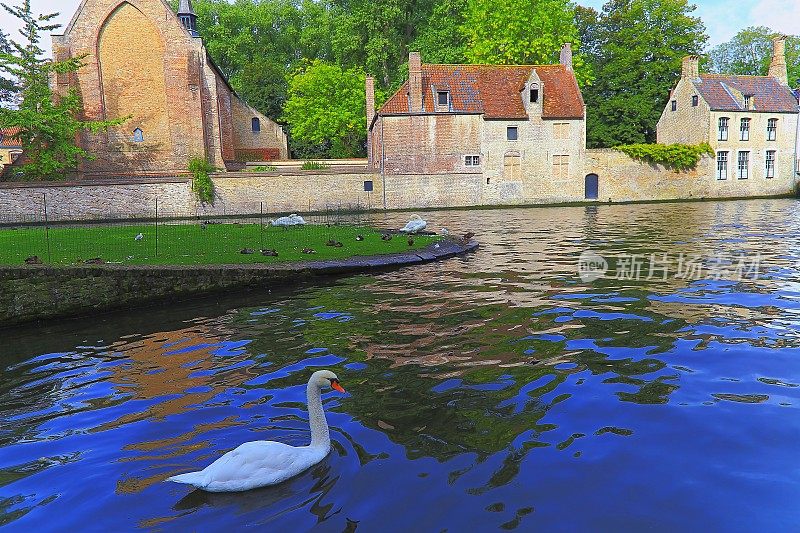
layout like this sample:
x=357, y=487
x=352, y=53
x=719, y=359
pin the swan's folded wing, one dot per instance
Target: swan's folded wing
x=260, y=463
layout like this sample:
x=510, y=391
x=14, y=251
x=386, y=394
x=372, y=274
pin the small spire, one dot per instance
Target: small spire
x=188, y=17
x=185, y=8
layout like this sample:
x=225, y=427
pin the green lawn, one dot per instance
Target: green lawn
x=190, y=244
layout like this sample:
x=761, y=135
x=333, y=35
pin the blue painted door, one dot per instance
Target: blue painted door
x=591, y=186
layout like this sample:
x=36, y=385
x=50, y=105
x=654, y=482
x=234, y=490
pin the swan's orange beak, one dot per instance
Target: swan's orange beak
x=335, y=385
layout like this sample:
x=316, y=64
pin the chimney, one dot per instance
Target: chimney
x=690, y=67
x=414, y=83
x=370, y=88
x=566, y=55
x=777, y=67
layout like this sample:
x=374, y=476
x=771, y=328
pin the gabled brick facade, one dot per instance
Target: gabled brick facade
x=515, y=126
x=142, y=62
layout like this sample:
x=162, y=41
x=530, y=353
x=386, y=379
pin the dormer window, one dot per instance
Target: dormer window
x=534, y=93
x=138, y=135
x=255, y=123
x=748, y=101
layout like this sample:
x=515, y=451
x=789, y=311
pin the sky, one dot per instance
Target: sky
x=723, y=18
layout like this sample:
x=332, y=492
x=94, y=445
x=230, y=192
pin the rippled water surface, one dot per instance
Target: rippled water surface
x=493, y=391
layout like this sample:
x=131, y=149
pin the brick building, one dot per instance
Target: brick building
x=10, y=147
x=518, y=128
x=751, y=122
x=144, y=61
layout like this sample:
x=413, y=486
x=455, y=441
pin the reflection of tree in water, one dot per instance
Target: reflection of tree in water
x=502, y=361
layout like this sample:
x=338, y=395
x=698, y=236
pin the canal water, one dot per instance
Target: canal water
x=589, y=368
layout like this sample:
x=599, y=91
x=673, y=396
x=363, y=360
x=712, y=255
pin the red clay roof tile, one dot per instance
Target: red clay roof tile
x=494, y=91
x=8, y=138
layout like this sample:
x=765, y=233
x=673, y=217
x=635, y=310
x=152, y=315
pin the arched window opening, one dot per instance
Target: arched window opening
x=534, y=93
x=256, y=124
x=591, y=187
x=138, y=135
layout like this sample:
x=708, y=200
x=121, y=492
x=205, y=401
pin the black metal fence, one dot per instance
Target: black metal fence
x=151, y=235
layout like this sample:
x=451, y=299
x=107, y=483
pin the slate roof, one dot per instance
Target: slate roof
x=8, y=138
x=494, y=91
x=724, y=93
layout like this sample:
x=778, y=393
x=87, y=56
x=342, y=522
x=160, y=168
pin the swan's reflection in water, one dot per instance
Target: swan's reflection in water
x=492, y=391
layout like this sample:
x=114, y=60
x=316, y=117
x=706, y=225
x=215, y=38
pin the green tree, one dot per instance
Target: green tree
x=326, y=106
x=638, y=51
x=442, y=39
x=750, y=51
x=8, y=86
x=521, y=32
x=48, y=125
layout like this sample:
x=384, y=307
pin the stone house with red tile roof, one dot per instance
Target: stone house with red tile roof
x=145, y=61
x=751, y=122
x=520, y=129
x=10, y=147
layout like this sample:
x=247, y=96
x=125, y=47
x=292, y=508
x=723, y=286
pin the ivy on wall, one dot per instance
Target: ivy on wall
x=681, y=157
x=201, y=181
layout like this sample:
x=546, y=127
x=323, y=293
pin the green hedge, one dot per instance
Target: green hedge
x=672, y=156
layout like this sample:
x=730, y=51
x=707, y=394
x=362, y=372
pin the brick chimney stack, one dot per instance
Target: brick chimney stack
x=690, y=67
x=566, y=55
x=415, y=82
x=370, y=88
x=777, y=67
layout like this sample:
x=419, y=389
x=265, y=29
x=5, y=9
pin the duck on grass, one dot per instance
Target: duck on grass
x=198, y=243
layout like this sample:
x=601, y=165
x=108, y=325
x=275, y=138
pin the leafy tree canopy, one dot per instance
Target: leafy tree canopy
x=326, y=104
x=521, y=32
x=750, y=51
x=636, y=59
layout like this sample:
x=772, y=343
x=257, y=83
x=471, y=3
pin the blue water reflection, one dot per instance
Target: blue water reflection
x=492, y=391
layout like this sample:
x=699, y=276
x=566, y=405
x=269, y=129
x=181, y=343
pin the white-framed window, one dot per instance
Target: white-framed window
x=561, y=130
x=561, y=166
x=722, y=165
x=772, y=129
x=443, y=98
x=770, y=164
x=748, y=101
x=744, y=129
x=723, y=129
x=512, y=133
x=472, y=160
x=743, y=165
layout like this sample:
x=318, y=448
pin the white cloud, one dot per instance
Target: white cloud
x=781, y=15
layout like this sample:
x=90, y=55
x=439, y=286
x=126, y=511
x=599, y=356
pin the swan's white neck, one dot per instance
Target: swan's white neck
x=320, y=436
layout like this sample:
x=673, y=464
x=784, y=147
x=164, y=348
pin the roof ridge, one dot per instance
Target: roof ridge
x=485, y=65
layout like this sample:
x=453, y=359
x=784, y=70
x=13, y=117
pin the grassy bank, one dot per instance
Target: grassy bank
x=189, y=244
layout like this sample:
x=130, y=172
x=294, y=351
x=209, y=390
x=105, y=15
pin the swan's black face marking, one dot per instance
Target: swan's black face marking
x=335, y=384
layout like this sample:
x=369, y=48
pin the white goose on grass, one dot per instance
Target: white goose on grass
x=414, y=225
x=292, y=220
x=261, y=463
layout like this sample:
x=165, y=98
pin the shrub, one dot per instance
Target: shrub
x=263, y=168
x=673, y=156
x=314, y=165
x=201, y=182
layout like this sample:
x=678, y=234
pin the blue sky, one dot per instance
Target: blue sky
x=723, y=18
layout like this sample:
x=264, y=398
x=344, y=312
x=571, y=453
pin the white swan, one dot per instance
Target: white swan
x=262, y=462
x=414, y=225
x=292, y=220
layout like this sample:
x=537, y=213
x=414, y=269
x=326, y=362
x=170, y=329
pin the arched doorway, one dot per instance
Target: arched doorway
x=591, y=188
